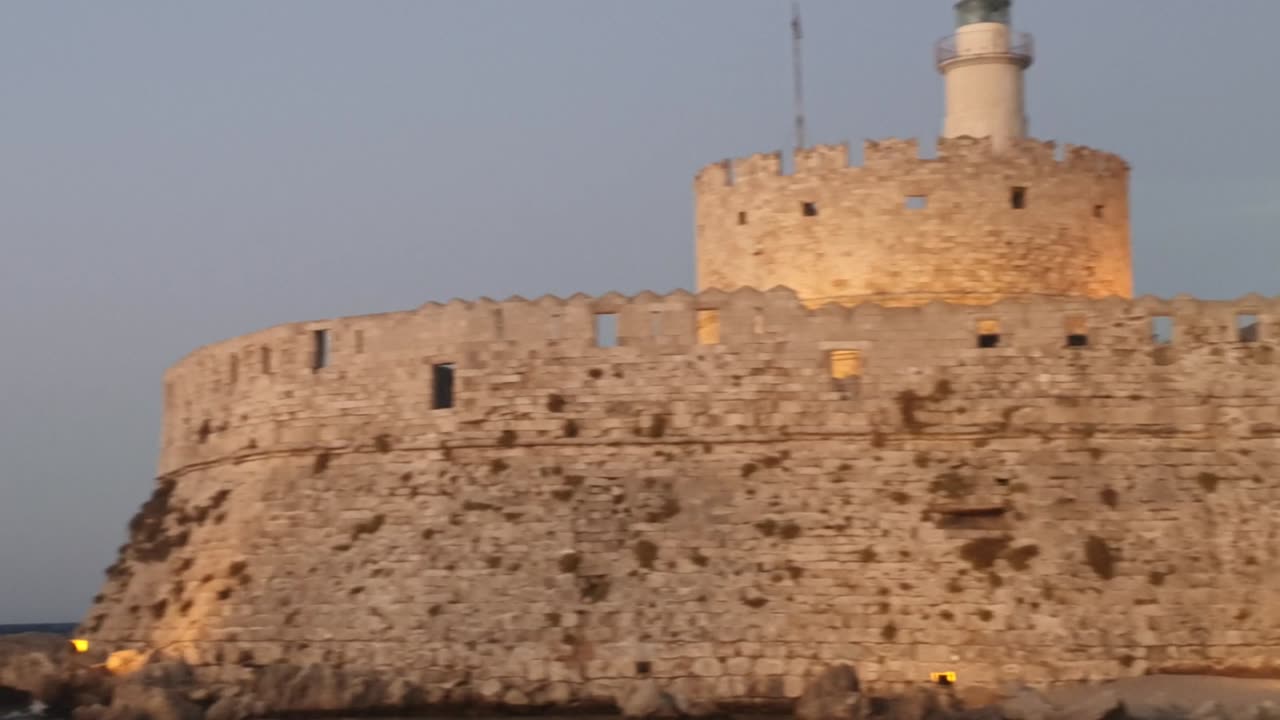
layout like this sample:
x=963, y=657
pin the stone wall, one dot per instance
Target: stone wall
x=726, y=516
x=964, y=242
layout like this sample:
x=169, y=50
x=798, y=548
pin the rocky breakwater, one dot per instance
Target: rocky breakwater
x=46, y=671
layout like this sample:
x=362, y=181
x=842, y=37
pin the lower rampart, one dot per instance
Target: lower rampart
x=726, y=516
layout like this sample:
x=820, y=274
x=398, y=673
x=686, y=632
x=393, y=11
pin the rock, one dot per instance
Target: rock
x=89, y=712
x=237, y=707
x=647, y=700
x=923, y=703
x=33, y=663
x=175, y=675
x=1103, y=706
x=695, y=708
x=833, y=695
x=1210, y=710
x=201, y=695
x=137, y=700
x=515, y=698
x=1265, y=710
x=125, y=662
x=85, y=686
x=1027, y=704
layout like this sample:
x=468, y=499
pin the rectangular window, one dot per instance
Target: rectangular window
x=1162, y=329
x=1077, y=331
x=742, y=218
x=442, y=386
x=606, y=330
x=809, y=209
x=234, y=369
x=1247, y=327
x=1018, y=198
x=265, y=353
x=319, y=349
x=917, y=202
x=844, y=364
x=708, y=327
x=1099, y=211
x=988, y=334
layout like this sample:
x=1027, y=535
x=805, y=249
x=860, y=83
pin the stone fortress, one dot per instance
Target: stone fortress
x=913, y=420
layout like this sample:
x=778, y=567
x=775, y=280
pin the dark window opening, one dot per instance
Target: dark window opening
x=1247, y=328
x=986, y=341
x=810, y=209
x=606, y=330
x=1077, y=340
x=234, y=369
x=266, y=360
x=917, y=202
x=442, y=386
x=1099, y=211
x=644, y=667
x=973, y=518
x=1018, y=198
x=319, y=349
x=1162, y=329
x=742, y=218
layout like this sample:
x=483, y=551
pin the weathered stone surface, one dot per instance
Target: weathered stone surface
x=1030, y=512
x=137, y=700
x=647, y=699
x=1027, y=704
x=834, y=695
x=235, y=708
x=34, y=663
x=967, y=244
x=1102, y=705
x=90, y=712
x=924, y=703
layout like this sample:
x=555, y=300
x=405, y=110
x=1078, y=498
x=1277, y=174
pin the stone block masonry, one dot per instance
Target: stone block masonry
x=1033, y=490
x=971, y=225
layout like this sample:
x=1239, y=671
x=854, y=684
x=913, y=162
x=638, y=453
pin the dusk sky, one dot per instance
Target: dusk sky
x=174, y=173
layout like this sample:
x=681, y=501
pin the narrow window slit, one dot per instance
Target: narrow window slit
x=442, y=386
x=319, y=349
x=1077, y=331
x=1018, y=198
x=988, y=334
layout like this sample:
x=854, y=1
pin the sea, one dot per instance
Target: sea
x=31, y=712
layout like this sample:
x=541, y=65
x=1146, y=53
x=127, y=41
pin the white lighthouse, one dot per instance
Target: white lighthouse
x=983, y=64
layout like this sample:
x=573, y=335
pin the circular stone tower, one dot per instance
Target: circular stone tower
x=993, y=215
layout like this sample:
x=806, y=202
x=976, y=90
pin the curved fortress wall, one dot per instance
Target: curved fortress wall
x=723, y=514
x=971, y=226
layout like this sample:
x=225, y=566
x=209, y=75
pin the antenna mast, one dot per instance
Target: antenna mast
x=797, y=36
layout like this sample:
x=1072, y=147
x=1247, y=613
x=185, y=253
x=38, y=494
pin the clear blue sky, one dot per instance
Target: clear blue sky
x=176, y=173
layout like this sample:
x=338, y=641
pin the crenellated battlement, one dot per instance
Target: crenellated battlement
x=469, y=335
x=895, y=152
